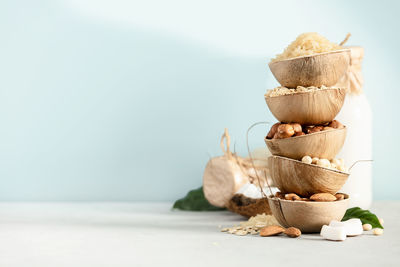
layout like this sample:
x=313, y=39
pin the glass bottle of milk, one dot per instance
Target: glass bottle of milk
x=357, y=116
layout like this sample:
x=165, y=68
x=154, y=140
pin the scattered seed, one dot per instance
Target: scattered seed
x=232, y=231
x=367, y=227
x=252, y=226
x=241, y=232
x=377, y=231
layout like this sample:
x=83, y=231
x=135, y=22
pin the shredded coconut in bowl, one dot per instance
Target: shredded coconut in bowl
x=279, y=91
x=306, y=44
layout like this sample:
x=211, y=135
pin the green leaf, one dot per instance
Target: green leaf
x=195, y=201
x=364, y=215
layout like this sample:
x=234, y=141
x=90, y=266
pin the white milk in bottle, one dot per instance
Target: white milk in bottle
x=357, y=116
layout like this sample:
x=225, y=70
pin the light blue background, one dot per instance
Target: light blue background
x=93, y=107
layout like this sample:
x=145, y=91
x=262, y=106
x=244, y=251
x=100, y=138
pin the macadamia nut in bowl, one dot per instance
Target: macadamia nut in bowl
x=308, y=216
x=309, y=106
x=293, y=176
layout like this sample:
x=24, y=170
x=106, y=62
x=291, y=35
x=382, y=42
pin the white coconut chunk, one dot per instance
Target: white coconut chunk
x=250, y=190
x=333, y=233
x=353, y=227
x=243, y=188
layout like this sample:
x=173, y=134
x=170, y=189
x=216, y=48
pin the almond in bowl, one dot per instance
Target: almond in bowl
x=308, y=216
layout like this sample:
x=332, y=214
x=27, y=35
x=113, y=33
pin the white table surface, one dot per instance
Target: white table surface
x=137, y=234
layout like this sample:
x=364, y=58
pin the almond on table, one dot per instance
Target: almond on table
x=271, y=230
x=292, y=232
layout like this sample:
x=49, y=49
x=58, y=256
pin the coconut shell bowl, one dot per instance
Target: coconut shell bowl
x=309, y=108
x=311, y=70
x=324, y=144
x=293, y=176
x=308, y=216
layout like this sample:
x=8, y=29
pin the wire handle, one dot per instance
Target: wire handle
x=358, y=161
x=251, y=159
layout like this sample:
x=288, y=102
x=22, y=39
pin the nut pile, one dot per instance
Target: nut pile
x=253, y=226
x=262, y=224
x=335, y=164
x=308, y=43
x=318, y=197
x=286, y=130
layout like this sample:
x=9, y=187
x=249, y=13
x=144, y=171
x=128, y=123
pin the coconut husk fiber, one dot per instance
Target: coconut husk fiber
x=248, y=207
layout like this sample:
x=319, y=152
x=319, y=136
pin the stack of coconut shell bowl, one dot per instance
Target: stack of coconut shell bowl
x=310, y=107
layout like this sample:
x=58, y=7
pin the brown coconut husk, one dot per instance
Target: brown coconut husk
x=353, y=79
x=225, y=175
x=248, y=207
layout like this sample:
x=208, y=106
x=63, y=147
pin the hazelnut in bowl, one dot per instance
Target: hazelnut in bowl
x=294, y=140
x=309, y=106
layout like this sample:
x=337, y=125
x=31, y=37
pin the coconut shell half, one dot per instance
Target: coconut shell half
x=309, y=108
x=248, y=207
x=308, y=216
x=222, y=178
x=311, y=70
